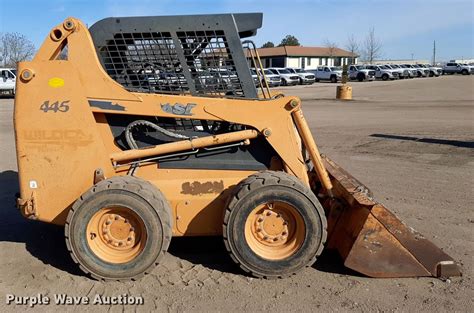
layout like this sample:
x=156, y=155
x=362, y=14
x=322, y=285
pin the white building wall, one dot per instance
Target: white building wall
x=312, y=63
x=293, y=62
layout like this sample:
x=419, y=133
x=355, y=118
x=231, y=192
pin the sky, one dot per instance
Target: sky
x=406, y=28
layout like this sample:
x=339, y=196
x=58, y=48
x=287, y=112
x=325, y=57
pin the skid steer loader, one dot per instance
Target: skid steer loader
x=144, y=128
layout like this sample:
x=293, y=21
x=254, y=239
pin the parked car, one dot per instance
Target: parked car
x=255, y=79
x=457, y=68
x=420, y=71
x=411, y=71
x=226, y=80
x=435, y=71
x=383, y=72
x=7, y=81
x=287, y=78
x=305, y=77
x=402, y=72
x=360, y=73
x=273, y=80
x=331, y=73
x=205, y=80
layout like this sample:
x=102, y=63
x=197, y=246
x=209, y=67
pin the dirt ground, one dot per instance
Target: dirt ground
x=411, y=142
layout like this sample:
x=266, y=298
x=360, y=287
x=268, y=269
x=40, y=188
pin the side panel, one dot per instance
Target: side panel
x=58, y=145
x=197, y=197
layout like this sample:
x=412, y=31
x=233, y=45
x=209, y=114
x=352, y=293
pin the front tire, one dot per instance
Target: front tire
x=119, y=229
x=385, y=77
x=333, y=79
x=464, y=72
x=274, y=225
x=360, y=77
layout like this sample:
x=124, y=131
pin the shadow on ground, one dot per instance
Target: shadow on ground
x=43, y=241
x=46, y=242
x=455, y=143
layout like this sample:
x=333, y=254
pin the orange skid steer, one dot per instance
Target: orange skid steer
x=144, y=128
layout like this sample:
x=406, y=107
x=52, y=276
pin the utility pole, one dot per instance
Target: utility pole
x=434, y=52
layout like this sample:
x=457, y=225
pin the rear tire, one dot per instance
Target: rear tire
x=119, y=229
x=274, y=225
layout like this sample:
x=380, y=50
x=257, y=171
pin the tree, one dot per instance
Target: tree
x=268, y=44
x=15, y=47
x=331, y=46
x=352, y=46
x=372, y=47
x=289, y=40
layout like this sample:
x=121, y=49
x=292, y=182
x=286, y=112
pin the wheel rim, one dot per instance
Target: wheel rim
x=116, y=234
x=275, y=230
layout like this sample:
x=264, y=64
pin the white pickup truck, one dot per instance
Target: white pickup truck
x=305, y=77
x=384, y=72
x=287, y=77
x=420, y=71
x=360, y=73
x=7, y=81
x=273, y=80
x=434, y=70
x=331, y=73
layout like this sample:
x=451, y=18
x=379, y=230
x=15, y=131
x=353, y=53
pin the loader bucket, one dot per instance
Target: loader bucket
x=373, y=241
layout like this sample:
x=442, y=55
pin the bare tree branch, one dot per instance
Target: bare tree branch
x=372, y=47
x=352, y=46
x=331, y=46
x=15, y=47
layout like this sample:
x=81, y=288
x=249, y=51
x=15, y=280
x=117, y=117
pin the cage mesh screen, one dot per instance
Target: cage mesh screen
x=145, y=62
x=150, y=62
x=210, y=63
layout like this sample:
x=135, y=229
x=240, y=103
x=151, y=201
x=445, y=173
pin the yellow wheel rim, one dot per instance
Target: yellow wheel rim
x=116, y=235
x=274, y=230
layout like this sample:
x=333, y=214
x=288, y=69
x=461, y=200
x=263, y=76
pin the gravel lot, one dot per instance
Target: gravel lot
x=410, y=141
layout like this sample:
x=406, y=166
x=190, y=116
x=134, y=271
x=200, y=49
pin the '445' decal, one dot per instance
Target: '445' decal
x=57, y=106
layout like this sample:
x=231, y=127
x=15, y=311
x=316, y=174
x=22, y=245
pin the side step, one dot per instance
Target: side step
x=372, y=240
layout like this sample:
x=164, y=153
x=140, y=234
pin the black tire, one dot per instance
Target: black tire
x=284, y=82
x=464, y=72
x=361, y=77
x=146, y=201
x=419, y=74
x=273, y=186
x=432, y=74
x=333, y=79
x=385, y=77
x=316, y=80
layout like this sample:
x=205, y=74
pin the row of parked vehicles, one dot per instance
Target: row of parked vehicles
x=221, y=79
x=294, y=76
